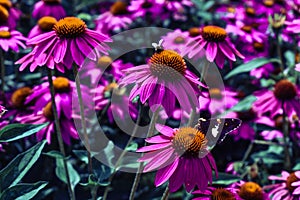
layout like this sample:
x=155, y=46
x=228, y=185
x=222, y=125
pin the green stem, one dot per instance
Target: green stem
x=139, y=117
x=59, y=134
x=83, y=122
x=141, y=166
x=279, y=53
x=287, y=163
x=166, y=193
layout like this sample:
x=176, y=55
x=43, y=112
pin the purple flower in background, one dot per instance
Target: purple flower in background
x=297, y=68
x=180, y=156
x=104, y=67
x=162, y=80
x=215, y=42
x=177, y=7
x=9, y=15
x=247, y=33
x=176, y=40
x=218, y=101
x=44, y=25
x=70, y=42
x=117, y=18
x=42, y=112
x=249, y=191
x=285, y=94
x=216, y=193
x=288, y=186
x=51, y=8
x=11, y=39
x=153, y=8
x=102, y=98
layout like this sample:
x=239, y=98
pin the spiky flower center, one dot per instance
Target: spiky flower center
x=3, y=14
x=19, y=96
x=291, y=179
x=250, y=11
x=5, y=34
x=231, y=9
x=179, y=40
x=104, y=61
x=268, y=3
x=47, y=111
x=251, y=191
x=222, y=194
x=258, y=46
x=189, y=141
x=52, y=2
x=69, y=27
x=194, y=32
x=6, y=4
x=61, y=85
x=119, y=8
x=285, y=90
x=215, y=93
x=47, y=23
x=214, y=34
x=167, y=63
x=247, y=28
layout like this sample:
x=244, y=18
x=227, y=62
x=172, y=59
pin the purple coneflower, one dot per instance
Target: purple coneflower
x=250, y=191
x=141, y=8
x=116, y=105
x=287, y=188
x=51, y=8
x=217, y=194
x=176, y=40
x=105, y=67
x=9, y=15
x=42, y=112
x=248, y=33
x=284, y=96
x=117, y=18
x=217, y=101
x=69, y=42
x=162, y=80
x=44, y=25
x=216, y=43
x=181, y=156
x=10, y=39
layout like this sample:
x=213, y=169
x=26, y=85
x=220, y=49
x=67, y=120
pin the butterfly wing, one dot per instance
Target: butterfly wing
x=216, y=129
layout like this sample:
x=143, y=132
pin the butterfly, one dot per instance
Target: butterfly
x=216, y=129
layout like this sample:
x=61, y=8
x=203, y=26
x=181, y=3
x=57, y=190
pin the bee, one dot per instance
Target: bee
x=158, y=47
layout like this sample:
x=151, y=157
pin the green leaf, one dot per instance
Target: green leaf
x=296, y=167
x=225, y=179
x=243, y=105
x=247, y=67
x=61, y=174
x=273, y=155
x=133, y=146
x=19, y=166
x=23, y=191
x=14, y=132
x=54, y=154
x=82, y=155
x=290, y=57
